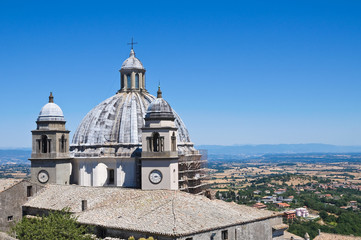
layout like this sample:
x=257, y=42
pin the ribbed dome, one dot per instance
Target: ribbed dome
x=159, y=109
x=118, y=121
x=132, y=62
x=51, y=112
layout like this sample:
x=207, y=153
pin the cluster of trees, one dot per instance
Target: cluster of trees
x=60, y=225
x=328, y=218
x=347, y=223
x=57, y=225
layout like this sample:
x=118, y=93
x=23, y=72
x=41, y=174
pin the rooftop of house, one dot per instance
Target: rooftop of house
x=7, y=183
x=288, y=235
x=283, y=205
x=330, y=236
x=161, y=212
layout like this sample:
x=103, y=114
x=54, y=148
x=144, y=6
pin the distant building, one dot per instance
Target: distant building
x=289, y=214
x=283, y=205
x=259, y=205
x=288, y=199
x=345, y=207
x=280, y=191
x=302, y=212
x=268, y=199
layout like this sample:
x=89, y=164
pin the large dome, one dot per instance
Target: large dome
x=118, y=121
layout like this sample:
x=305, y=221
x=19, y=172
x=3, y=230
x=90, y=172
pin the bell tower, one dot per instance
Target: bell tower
x=159, y=161
x=50, y=158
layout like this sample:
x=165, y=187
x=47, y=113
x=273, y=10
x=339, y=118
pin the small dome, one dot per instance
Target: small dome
x=132, y=62
x=159, y=109
x=51, y=111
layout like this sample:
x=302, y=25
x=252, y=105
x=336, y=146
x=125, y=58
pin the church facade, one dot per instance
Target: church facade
x=132, y=139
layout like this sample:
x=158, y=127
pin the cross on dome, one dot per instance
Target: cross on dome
x=132, y=43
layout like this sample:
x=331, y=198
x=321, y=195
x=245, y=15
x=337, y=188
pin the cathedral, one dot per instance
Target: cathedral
x=132, y=139
x=130, y=170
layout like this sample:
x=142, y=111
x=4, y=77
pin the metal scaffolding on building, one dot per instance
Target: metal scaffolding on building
x=193, y=172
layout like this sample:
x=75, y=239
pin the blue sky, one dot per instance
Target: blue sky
x=237, y=72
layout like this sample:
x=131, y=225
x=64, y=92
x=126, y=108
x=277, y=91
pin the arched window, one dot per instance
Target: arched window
x=156, y=142
x=62, y=143
x=129, y=81
x=137, y=81
x=110, y=176
x=44, y=144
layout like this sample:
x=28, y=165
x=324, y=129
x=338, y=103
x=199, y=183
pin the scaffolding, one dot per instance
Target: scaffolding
x=193, y=172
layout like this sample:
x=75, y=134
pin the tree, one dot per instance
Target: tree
x=323, y=214
x=59, y=225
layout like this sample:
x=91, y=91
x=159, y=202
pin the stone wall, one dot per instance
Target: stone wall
x=11, y=201
x=4, y=236
x=257, y=230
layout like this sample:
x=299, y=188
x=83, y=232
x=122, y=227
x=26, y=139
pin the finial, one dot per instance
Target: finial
x=159, y=93
x=132, y=53
x=51, y=98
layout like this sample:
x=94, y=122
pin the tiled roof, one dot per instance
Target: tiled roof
x=160, y=212
x=288, y=235
x=6, y=183
x=329, y=236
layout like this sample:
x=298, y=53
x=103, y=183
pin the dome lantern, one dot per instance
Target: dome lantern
x=132, y=74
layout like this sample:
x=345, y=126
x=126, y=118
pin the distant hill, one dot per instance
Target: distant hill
x=15, y=156
x=9, y=156
x=278, y=148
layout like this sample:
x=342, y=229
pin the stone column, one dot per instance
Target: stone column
x=125, y=81
x=143, y=81
x=140, y=80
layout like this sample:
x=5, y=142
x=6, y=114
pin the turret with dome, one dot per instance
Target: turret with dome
x=106, y=148
x=50, y=157
x=51, y=111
